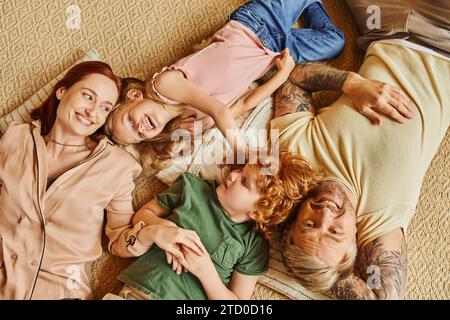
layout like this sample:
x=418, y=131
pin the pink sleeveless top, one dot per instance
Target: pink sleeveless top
x=225, y=68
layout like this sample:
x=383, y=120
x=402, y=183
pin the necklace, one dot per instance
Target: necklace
x=68, y=145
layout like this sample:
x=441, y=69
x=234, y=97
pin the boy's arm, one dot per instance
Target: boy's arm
x=371, y=98
x=240, y=287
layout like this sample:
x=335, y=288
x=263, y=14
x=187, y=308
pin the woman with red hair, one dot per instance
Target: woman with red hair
x=57, y=176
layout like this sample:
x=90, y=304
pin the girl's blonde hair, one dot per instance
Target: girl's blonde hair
x=280, y=191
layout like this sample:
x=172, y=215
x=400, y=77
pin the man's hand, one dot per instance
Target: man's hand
x=372, y=98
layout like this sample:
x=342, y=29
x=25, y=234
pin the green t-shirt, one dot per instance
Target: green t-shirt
x=232, y=246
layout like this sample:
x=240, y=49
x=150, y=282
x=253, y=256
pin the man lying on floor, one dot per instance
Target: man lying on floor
x=374, y=172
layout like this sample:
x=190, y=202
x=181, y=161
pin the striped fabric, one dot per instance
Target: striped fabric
x=22, y=112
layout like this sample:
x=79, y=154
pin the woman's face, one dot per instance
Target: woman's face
x=138, y=120
x=84, y=107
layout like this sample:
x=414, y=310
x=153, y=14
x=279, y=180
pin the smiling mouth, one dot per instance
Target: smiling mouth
x=83, y=120
x=328, y=200
x=148, y=123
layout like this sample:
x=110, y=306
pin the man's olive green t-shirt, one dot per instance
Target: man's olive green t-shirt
x=232, y=246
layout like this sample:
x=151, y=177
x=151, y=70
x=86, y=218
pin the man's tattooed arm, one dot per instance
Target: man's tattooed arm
x=295, y=94
x=382, y=264
x=352, y=288
x=291, y=98
x=317, y=76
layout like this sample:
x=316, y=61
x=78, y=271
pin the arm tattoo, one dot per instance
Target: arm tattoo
x=390, y=280
x=291, y=98
x=352, y=288
x=379, y=274
x=316, y=76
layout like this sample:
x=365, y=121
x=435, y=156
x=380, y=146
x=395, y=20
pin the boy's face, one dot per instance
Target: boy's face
x=238, y=194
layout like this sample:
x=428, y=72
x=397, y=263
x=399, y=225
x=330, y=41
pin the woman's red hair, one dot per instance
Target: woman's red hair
x=46, y=113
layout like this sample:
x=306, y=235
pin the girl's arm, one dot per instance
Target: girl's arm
x=174, y=86
x=186, y=92
x=285, y=64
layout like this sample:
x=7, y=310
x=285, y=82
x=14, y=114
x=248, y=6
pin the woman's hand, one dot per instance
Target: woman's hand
x=285, y=63
x=170, y=238
x=372, y=98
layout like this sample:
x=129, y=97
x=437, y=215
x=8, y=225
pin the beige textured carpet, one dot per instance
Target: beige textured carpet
x=137, y=37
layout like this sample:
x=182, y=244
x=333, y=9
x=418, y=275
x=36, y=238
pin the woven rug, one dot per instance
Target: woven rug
x=39, y=40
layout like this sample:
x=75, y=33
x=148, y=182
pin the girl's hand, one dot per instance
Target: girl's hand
x=285, y=63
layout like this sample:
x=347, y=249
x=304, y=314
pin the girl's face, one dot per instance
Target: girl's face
x=238, y=194
x=84, y=107
x=138, y=120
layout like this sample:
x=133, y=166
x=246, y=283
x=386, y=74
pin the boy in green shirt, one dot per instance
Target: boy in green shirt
x=231, y=255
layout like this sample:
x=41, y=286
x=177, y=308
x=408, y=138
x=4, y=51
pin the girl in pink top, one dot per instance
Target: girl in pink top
x=257, y=36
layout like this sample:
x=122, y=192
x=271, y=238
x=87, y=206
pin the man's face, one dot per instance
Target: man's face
x=325, y=223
